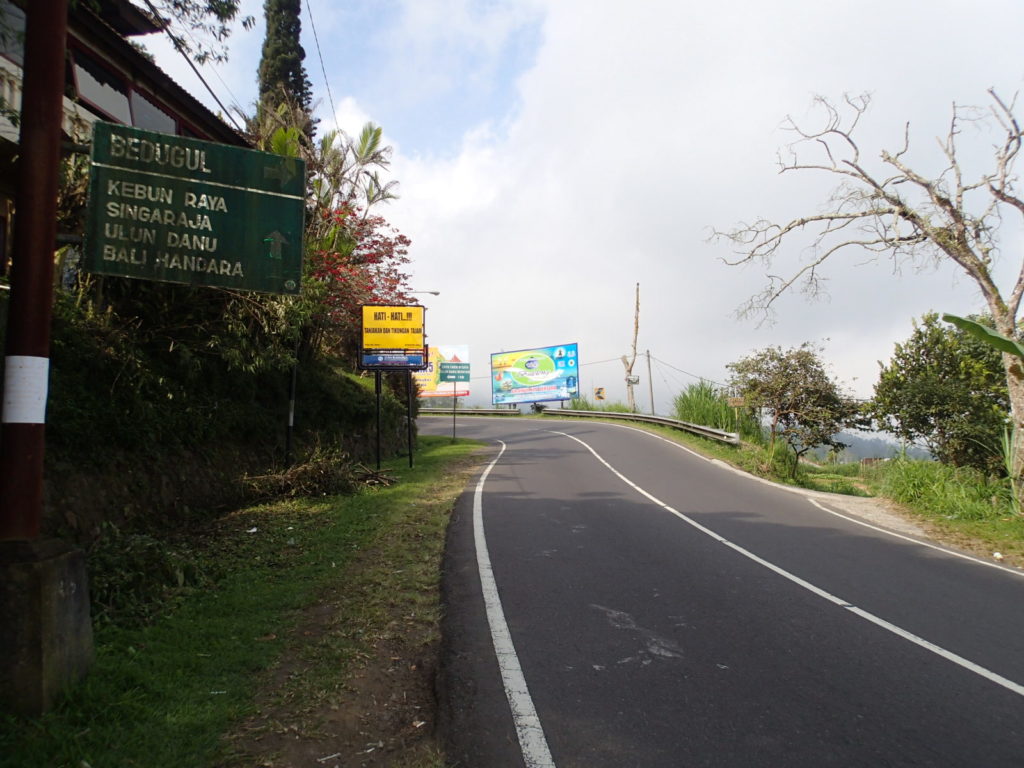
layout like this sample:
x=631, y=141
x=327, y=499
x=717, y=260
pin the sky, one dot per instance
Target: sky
x=552, y=154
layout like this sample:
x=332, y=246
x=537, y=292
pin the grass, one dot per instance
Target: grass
x=583, y=404
x=705, y=404
x=164, y=692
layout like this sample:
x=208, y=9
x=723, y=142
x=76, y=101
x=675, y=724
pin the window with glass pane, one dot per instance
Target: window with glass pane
x=146, y=114
x=101, y=88
x=12, y=32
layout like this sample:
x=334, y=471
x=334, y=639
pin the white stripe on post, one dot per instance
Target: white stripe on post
x=26, y=381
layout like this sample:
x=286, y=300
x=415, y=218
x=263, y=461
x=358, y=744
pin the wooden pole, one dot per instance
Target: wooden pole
x=27, y=348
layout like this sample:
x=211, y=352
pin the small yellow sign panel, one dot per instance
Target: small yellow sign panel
x=390, y=327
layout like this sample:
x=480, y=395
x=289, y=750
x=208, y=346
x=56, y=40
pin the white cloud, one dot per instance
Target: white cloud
x=633, y=129
x=641, y=125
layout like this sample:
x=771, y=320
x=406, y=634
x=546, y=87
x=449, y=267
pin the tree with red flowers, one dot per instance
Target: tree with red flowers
x=361, y=260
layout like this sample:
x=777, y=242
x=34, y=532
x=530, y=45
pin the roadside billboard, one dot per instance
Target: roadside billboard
x=393, y=338
x=429, y=379
x=535, y=375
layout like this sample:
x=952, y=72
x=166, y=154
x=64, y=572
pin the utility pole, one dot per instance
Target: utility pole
x=45, y=630
x=27, y=348
x=628, y=362
x=650, y=381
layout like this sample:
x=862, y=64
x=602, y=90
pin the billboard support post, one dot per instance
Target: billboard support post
x=376, y=389
x=408, y=411
x=455, y=400
x=393, y=339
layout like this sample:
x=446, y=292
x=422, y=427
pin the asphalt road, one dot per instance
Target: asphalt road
x=663, y=610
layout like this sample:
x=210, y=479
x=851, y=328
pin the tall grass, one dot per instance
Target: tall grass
x=943, y=491
x=705, y=404
x=583, y=404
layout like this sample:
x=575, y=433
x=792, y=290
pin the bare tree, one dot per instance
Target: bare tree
x=897, y=212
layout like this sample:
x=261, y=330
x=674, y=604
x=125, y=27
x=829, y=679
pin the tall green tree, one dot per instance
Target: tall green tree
x=804, y=406
x=282, y=76
x=945, y=389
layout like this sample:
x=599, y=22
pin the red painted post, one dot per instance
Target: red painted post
x=27, y=348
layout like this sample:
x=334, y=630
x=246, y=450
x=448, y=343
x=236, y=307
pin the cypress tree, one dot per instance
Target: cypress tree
x=282, y=75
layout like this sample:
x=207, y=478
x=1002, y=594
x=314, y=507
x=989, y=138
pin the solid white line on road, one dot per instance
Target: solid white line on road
x=532, y=741
x=920, y=641
x=912, y=540
x=811, y=497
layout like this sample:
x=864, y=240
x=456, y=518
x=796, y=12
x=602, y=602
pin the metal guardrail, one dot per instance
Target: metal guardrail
x=469, y=412
x=732, y=438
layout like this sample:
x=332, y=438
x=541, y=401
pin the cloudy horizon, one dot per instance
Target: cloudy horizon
x=551, y=155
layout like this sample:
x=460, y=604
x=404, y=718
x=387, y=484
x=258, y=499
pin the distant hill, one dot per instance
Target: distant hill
x=865, y=447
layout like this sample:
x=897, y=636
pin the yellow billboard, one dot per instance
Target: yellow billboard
x=393, y=337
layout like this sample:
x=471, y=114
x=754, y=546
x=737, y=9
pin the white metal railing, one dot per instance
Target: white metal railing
x=469, y=412
x=732, y=438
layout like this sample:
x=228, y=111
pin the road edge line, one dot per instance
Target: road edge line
x=532, y=742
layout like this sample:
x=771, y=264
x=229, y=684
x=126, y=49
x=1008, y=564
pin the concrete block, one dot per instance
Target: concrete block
x=46, y=640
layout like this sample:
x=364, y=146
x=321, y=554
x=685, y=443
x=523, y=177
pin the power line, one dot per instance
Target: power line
x=215, y=72
x=180, y=48
x=693, y=375
x=327, y=85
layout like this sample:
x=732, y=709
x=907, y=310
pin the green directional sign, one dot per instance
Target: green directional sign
x=454, y=372
x=182, y=210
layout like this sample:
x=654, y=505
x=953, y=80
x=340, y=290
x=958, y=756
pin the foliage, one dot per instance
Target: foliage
x=132, y=574
x=946, y=389
x=953, y=493
x=365, y=265
x=583, y=404
x=353, y=257
x=325, y=472
x=804, y=406
x=199, y=28
x=282, y=76
x=987, y=335
x=707, y=405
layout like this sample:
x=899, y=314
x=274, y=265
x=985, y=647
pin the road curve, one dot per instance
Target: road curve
x=664, y=610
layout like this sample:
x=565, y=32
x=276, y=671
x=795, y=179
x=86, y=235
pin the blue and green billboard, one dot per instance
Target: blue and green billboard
x=535, y=375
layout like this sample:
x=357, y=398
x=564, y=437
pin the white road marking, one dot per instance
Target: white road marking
x=532, y=741
x=911, y=539
x=813, y=496
x=898, y=631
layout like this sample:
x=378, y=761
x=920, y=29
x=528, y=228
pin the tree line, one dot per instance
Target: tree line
x=943, y=390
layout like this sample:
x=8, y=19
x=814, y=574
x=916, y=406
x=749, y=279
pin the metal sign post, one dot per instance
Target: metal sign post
x=453, y=372
x=393, y=339
x=408, y=412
